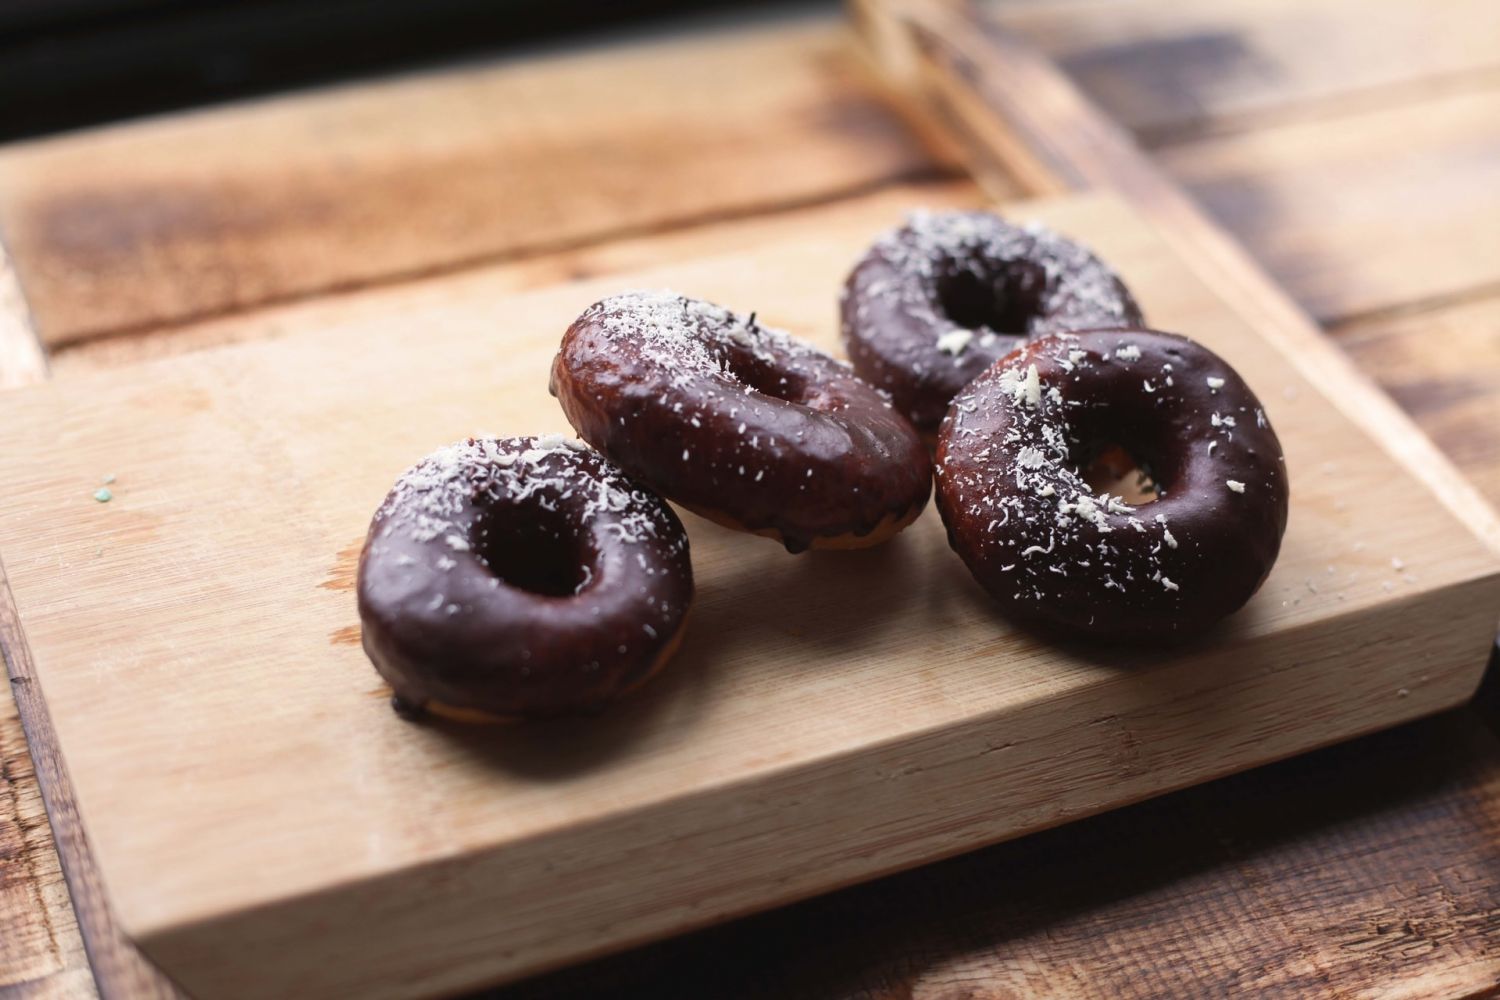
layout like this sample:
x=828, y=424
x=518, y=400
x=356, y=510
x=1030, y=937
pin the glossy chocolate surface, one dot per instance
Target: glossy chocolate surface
x=520, y=577
x=737, y=420
x=1051, y=550
x=937, y=301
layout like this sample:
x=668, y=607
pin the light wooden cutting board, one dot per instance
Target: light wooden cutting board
x=265, y=825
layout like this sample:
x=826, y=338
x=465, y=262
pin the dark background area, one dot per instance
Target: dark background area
x=71, y=63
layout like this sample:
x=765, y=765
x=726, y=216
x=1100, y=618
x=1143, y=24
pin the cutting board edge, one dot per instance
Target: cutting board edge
x=187, y=949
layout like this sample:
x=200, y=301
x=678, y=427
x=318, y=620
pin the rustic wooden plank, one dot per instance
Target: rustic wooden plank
x=1165, y=68
x=295, y=842
x=158, y=222
x=41, y=950
x=38, y=938
x=1366, y=212
x=472, y=289
x=1363, y=871
x=117, y=968
x=1443, y=366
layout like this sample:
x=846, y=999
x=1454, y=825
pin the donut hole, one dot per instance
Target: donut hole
x=1113, y=469
x=1007, y=303
x=533, y=550
x=765, y=378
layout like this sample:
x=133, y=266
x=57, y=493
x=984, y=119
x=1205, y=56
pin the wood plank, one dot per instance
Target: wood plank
x=1367, y=212
x=38, y=937
x=114, y=965
x=297, y=841
x=1443, y=366
x=41, y=950
x=159, y=222
x=1165, y=69
x=1366, y=870
x=474, y=288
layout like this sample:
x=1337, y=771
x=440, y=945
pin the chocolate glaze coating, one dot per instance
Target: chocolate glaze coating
x=1054, y=552
x=520, y=577
x=739, y=422
x=937, y=301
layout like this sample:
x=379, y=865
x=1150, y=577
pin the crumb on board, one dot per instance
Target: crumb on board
x=103, y=494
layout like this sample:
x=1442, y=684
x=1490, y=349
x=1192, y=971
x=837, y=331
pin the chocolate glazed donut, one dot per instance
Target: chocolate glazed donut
x=520, y=577
x=1052, y=551
x=934, y=303
x=740, y=423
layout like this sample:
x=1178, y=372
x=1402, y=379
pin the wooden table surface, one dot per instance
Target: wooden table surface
x=1360, y=167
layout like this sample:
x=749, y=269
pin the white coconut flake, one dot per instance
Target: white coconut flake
x=1235, y=485
x=1031, y=457
x=954, y=341
x=1032, y=387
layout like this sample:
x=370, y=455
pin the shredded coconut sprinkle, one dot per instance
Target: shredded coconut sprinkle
x=954, y=341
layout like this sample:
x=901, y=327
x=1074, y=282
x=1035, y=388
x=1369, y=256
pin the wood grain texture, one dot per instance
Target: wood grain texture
x=420, y=860
x=1166, y=69
x=1346, y=213
x=116, y=966
x=1443, y=366
x=38, y=937
x=474, y=288
x=155, y=223
x=1363, y=872
x=41, y=949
